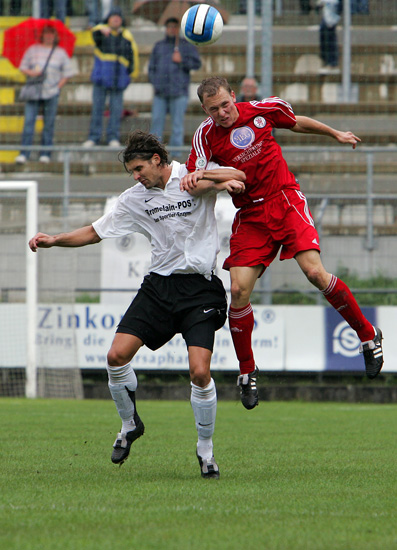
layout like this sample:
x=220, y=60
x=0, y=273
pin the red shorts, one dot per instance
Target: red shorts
x=261, y=229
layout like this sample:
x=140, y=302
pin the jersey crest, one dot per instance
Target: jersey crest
x=259, y=122
x=242, y=137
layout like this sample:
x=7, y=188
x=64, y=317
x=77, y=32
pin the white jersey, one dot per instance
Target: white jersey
x=181, y=229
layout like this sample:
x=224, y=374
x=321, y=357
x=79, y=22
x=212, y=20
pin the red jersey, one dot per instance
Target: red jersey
x=248, y=145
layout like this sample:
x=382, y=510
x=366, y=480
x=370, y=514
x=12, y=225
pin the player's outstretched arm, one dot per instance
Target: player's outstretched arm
x=306, y=125
x=205, y=186
x=79, y=237
x=217, y=175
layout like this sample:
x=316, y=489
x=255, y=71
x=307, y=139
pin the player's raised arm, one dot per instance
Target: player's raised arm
x=79, y=237
x=306, y=125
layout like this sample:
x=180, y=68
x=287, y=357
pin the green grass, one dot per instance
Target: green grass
x=293, y=476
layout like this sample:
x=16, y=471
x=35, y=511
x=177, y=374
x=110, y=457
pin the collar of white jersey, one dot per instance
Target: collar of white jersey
x=175, y=169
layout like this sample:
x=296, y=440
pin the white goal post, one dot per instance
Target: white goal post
x=30, y=187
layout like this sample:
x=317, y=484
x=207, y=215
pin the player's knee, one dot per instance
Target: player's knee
x=116, y=359
x=238, y=292
x=316, y=276
x=200, y=376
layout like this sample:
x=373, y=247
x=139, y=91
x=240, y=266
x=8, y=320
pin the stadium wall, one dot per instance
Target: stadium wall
x=285, y=339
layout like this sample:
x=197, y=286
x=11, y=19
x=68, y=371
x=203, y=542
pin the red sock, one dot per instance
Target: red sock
x=241, y=324
x=340, y=297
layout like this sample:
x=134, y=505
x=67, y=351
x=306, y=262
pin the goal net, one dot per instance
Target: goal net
x=31, y=363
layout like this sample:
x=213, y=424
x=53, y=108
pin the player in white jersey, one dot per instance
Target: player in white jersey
x=179, y=295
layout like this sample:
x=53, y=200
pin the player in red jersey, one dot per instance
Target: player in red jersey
x=273, y=214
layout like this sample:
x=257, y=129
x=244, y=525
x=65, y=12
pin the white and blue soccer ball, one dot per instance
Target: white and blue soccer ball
x=202, y=24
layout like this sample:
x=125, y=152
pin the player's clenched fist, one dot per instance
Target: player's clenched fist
x=41, y=240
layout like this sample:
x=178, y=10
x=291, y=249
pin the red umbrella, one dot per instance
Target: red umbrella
x=18, y=39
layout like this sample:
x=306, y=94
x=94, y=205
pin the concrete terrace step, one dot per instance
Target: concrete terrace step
x=73, y=127
x=79, y=108
x=294, y=88
x=86, y=163
x=230, y=59
x=285, y=138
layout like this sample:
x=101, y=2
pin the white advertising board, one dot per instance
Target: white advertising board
x=285, y=338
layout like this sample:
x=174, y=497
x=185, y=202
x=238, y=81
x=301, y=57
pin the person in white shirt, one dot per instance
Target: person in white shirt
x=49, y=57
x=179, y=295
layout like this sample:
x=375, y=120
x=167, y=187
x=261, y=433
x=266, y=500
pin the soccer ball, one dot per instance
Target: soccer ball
x=202, y=24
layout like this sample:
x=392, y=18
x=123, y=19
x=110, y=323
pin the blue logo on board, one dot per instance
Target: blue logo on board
x=242, y=137
x=342, y=343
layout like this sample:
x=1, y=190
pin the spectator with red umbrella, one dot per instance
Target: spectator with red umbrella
x=48, y=58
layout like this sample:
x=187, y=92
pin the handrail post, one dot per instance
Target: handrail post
x=370, y=202
x=66, y=189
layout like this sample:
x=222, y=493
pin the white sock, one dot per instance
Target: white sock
x=122, y=385
x=205, y=448
x=204, y=401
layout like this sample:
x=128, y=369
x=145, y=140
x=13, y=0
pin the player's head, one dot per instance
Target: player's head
x=218, y=100
x=210, y=87
x=145, y=157
x=143, y=145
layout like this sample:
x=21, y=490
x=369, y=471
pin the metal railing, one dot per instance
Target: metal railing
x=66, y=152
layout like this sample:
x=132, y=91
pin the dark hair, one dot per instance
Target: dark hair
x=210, y=86
x=172, y=20
x=49, y=29
x=143, y=145
x=115, y=10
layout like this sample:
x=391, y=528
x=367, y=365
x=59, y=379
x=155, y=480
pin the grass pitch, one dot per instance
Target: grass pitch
x=293, y=476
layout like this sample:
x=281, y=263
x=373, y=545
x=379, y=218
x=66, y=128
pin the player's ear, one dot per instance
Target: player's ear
x=204, y=109
x=233, y=96
x=156, y=159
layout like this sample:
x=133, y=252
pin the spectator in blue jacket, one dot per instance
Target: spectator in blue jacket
x=116, y=61
x=170, y=64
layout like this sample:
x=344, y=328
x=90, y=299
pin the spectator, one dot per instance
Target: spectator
x=93, y=9
x=116, y=61
x=58, y=70
x=248, y=90
x=170, y=64
x=328, y=38
x=14, y=7
x=242, y=7
x=305, y=6
x=359, y=6
x=47, y=7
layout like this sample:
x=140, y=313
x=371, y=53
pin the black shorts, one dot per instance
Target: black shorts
x=166, y=305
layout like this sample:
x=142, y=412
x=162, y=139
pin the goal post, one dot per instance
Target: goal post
x=39, y=354
x=31, y=190
x=31, y=292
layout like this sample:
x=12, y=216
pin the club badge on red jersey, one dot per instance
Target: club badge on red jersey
x=259, y=122
x=201, y=163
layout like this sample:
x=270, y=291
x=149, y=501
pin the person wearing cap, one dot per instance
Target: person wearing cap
x=170, y=63
x=116, y=62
